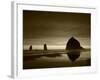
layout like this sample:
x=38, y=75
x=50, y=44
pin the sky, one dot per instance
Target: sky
x=55, y=28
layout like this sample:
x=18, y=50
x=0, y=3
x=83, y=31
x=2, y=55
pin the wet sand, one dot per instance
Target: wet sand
x=51, y=59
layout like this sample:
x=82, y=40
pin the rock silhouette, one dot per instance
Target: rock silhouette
x=45, y=47
x=73, y=55
x=30, y=48
x=73, y=44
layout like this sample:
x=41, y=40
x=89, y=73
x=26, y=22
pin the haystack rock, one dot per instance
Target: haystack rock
x=73, y=44
x=45, y=47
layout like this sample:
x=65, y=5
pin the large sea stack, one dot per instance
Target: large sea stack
x=73, y=44
x=45, y=47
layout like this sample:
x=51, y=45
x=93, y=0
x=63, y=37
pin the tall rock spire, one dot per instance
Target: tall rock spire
x=45, y=47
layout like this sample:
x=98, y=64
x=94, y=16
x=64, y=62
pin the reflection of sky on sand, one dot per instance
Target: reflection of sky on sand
x=58, y=61
x=64, y=57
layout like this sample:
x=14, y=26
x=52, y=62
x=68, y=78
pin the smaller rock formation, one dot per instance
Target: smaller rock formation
x=45, y=47
x=73, y=44
x=30, y=48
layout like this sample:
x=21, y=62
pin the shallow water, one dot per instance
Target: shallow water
x=55, y=58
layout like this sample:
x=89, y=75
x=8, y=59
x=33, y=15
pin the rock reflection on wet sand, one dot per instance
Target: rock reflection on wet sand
x=52, y=59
